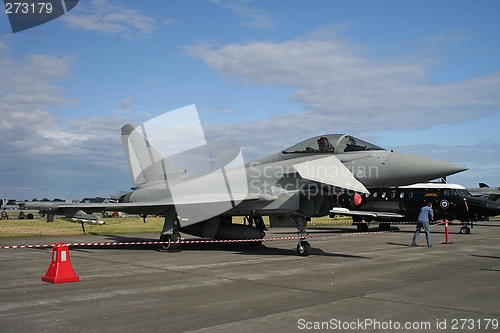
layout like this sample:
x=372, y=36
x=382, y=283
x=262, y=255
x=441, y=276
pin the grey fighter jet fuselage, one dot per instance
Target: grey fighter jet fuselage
x=484, y=191
x=300, y=182
x=373, y=166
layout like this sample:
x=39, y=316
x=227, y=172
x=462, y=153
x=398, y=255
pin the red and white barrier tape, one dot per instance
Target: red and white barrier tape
x=198, y=241
x=185, y=241
x=396, y=222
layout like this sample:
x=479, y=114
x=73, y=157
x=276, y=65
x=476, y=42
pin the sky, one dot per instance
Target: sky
x=417, y=77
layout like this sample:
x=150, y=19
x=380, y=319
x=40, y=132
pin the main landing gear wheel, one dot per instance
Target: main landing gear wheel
x=464, y=230
x=170, y=246
x=303, y=248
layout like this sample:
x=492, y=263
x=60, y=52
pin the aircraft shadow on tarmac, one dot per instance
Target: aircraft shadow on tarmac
x=330, y=230
x=237, y=248
x=245, y=249
x=487, y=257
x=479, y=256
x=263, y=249
x=400, y=244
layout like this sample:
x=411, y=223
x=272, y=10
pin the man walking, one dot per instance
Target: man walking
x=426, y=215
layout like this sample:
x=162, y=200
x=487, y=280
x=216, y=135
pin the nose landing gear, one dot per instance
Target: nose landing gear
x=303, y=248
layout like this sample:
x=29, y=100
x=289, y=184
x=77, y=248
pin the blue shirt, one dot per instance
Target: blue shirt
x=425, y=212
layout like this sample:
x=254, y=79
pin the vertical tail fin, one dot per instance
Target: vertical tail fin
x=146, y=164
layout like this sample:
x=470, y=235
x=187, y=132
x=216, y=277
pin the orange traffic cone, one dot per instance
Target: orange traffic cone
x=60, y=269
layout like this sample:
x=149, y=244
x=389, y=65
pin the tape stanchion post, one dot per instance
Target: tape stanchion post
x=446, y=232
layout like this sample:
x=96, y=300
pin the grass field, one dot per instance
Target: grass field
x=15, y=228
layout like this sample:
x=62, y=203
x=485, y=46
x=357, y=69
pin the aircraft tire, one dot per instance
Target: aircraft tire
x=169, y=247
x=464, y=230
x=303, y=248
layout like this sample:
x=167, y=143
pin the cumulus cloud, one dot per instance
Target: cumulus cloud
x=112, y=18
x=27, y=89
x=339, y=83
x=40, y=149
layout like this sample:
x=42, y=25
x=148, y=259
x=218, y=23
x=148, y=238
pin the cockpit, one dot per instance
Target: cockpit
x=331, y=143
x=456, y=192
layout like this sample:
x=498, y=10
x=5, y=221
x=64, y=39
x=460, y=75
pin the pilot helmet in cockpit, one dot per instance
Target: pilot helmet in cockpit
x=324, y=145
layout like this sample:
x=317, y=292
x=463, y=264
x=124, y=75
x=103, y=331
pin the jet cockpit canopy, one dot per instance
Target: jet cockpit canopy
x=331, y=143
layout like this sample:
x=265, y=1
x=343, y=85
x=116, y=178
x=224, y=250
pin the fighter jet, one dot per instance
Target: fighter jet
x=198, y=187
x=484, y=191
x=386, y=205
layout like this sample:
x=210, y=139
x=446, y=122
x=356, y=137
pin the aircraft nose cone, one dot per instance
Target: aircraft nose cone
x=409, y=169
x=493, y=208
x=481, y=206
